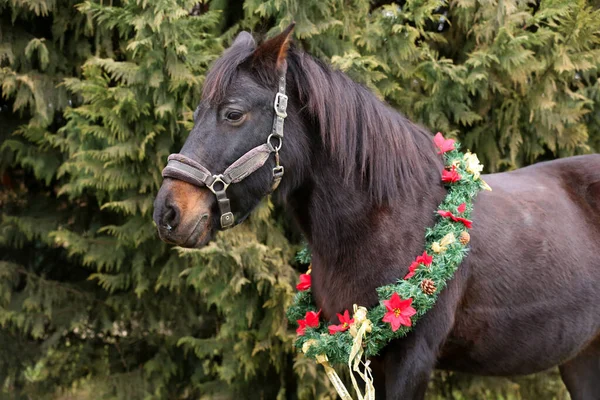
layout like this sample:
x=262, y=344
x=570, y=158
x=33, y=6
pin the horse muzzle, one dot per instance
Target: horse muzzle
x=182, y=213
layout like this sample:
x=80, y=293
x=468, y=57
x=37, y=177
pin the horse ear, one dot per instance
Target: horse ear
x=244, y=39
x=273, y=52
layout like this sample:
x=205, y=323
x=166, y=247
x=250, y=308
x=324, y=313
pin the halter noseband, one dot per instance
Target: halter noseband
x=185, y=169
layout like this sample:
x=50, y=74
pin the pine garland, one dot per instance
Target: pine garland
x=446, y=246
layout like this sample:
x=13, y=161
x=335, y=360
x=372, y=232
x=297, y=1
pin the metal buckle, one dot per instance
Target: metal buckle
x=217, y=179
x=278, y=171
x=280, y=105
x=227, y=220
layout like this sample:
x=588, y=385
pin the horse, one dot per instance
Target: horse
x=363, y=184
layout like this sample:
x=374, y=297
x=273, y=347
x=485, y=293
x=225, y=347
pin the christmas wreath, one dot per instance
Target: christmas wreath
x=401, y=304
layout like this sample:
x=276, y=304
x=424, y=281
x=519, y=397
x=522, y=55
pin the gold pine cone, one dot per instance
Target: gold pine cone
x=464, y=238
x=428, y=286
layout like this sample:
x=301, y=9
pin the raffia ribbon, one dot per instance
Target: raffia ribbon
x=361, y=326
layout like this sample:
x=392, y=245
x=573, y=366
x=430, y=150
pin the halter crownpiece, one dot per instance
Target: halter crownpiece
x=185, y=169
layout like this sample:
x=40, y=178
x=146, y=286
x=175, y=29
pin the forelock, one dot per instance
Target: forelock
x=223, y=72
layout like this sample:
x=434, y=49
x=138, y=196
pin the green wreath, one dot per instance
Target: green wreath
x=403, y=303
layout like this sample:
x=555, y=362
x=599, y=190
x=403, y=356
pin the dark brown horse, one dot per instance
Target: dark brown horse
x=363, y=183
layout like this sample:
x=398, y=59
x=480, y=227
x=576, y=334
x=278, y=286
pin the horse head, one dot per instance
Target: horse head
x=231, y=158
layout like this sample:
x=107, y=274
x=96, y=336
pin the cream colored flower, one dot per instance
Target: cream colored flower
x=435, y=246
x=472, y=164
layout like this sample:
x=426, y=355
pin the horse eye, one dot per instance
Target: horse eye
x=234, y=116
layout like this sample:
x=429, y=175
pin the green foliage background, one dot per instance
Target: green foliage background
x=95, y=95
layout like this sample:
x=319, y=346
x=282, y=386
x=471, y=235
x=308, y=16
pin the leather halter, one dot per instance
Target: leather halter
x=184, y=168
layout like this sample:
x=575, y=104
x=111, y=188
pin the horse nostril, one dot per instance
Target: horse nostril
x=171, y=217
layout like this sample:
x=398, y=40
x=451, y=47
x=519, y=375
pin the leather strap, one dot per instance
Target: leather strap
x=247, y=164
x=179, y=168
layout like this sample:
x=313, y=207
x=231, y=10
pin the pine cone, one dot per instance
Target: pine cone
x=428, y=286
x=464, y=238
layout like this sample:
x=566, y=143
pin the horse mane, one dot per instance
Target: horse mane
x=367, y=138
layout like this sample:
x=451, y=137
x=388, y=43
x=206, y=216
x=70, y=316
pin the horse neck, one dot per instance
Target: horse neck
x=359, y=242
x=341, y=219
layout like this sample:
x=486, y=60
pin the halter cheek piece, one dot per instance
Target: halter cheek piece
x=185, y=169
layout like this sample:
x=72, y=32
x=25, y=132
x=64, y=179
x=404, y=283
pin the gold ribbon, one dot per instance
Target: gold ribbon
x=485, y=186
x=442, y=245
x=329, y=371
x=334, y=378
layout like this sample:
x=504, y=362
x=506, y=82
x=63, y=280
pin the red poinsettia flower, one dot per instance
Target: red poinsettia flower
x=345, y=323
x=412, y=269
x=398, y=311
x=461, y=209
x=443, y=144
x=311, y=320
x=450, y=176
x=422, y=259
x=304, y=282
x=448, y=214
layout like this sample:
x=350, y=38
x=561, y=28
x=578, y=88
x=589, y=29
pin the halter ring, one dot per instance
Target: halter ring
x=218, y=179
x=271, y=136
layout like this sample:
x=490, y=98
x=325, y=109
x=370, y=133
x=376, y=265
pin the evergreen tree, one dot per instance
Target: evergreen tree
x=95, y=96
x=88, y=283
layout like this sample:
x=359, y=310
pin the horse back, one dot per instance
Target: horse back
x=579, y=176
x=532, y=270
